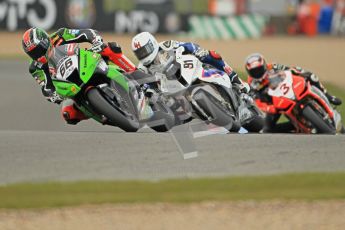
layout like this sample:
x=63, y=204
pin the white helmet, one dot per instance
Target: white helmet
x=145, y=47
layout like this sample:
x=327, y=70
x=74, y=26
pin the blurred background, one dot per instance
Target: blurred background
x=199, y=18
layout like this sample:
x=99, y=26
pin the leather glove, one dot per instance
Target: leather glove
x=55, y=98
x=256, y=85
x=51, y=95
x=57, y=38
x=297, y=70
x=247, y=98
x=97, y=45
x=243, y=87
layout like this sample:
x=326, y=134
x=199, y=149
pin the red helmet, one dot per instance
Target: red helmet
x=256, y=66
x=36, y=43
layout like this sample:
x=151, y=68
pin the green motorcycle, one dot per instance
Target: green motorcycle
x=102, y=91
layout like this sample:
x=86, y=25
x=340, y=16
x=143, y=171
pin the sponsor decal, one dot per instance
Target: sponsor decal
x=74, y=32
x=37, y=13
x=167, y=44
x=73, y=89
x=137, y=45
x=85, y=61
x=136, y=21
x=125, y=65
x=70, y=48
x=212, y=73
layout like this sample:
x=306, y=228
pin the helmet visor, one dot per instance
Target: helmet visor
x=144, y=51
x=40, y=50
x=257, y=72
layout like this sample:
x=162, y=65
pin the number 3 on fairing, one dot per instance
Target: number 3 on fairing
x=285, y=88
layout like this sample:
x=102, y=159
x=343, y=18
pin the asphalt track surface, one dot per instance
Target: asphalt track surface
x=36, y=145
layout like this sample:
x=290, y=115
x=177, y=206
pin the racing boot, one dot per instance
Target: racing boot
x=314, y=80
x=333, y=99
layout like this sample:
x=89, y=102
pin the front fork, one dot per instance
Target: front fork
x=242, y=105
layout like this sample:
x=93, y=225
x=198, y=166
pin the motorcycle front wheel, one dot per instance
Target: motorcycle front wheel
x=315, y=118
x=102, y=106
x=211, y=106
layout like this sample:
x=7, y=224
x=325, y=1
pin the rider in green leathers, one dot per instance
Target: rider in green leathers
x=40, y=47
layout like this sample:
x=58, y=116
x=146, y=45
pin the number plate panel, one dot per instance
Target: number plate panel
x=67, y=67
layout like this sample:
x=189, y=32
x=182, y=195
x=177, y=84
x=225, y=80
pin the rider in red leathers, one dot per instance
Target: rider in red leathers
x=258, y=69
x=39, y=46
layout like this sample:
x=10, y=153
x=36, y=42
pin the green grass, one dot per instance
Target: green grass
x=314, y=186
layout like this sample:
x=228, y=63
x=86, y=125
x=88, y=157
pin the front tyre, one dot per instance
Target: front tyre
x=212, y=109
x=102, y=106
x=321, y=125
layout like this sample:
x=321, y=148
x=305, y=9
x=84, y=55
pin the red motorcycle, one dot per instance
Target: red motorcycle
x=307, y=108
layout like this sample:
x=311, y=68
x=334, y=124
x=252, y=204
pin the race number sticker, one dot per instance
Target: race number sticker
x=284, y=88
x=188, y=64
x=67, y=67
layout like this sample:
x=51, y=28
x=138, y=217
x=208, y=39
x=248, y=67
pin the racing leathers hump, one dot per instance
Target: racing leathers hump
x=64, y=36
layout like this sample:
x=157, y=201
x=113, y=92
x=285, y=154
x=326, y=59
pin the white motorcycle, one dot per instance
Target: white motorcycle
x=193, y=89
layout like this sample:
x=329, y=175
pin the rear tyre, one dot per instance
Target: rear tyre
x=236, y=126
x=256, y=124
x=102, y=106
x=317, y=121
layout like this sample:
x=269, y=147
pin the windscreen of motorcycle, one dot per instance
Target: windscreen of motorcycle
x=64, y=61
x=284, y=87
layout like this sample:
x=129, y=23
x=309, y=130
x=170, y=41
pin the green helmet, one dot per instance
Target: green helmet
x=36, y=43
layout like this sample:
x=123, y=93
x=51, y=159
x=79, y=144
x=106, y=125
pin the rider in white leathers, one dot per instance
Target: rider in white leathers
x=152, y=55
